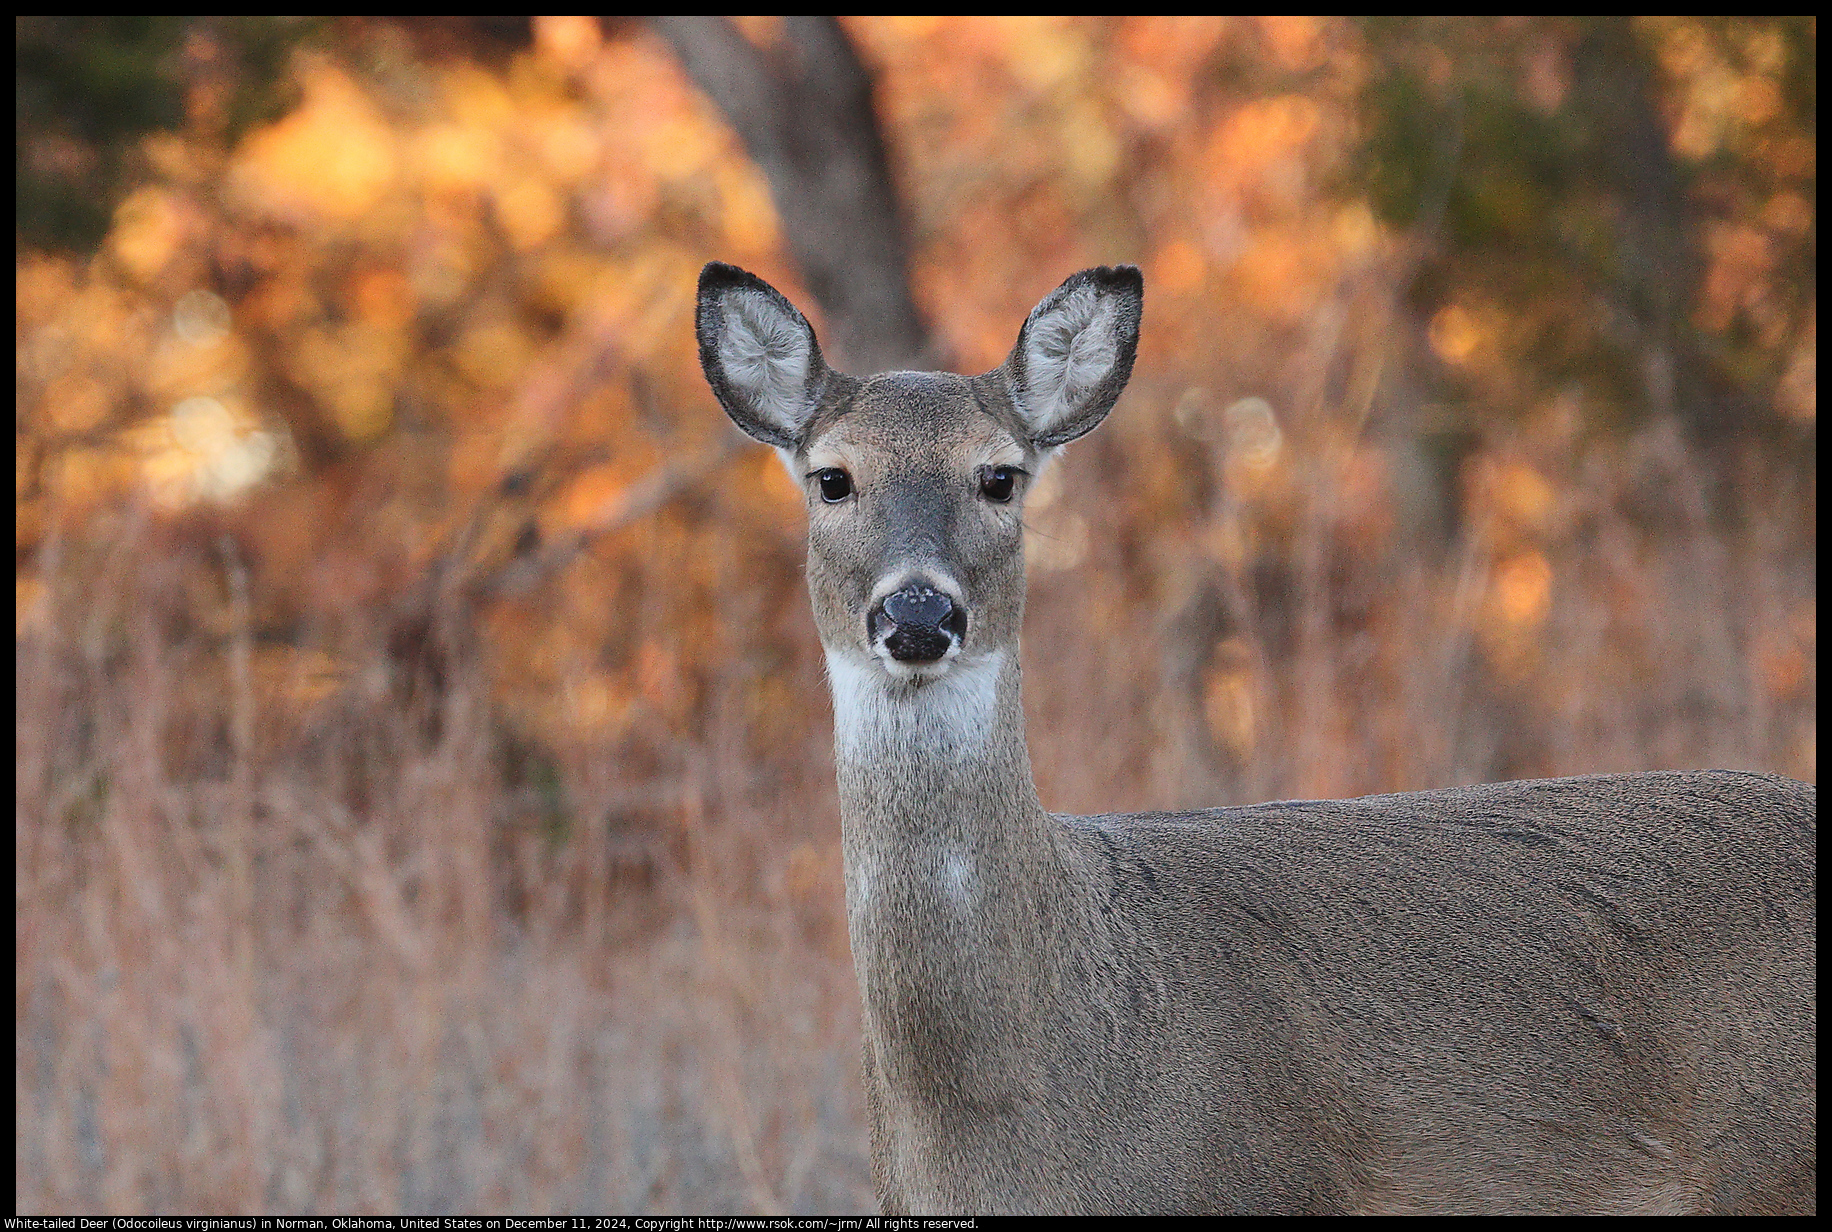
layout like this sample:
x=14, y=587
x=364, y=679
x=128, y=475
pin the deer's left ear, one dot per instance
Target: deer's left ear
x=1075, y=352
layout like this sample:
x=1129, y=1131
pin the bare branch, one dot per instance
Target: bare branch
x=637, y=501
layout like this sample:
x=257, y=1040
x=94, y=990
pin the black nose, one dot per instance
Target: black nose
x=917, y=623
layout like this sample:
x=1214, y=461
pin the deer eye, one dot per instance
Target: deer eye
x=836, y=484
x=997, y=482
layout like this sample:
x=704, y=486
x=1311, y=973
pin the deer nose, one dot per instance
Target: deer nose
x=917, y=624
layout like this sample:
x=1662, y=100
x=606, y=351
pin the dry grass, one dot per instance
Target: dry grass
x=339, y=954
x=235, y=993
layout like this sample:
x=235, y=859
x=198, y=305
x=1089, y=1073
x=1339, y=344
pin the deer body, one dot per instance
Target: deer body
x=1588, y=994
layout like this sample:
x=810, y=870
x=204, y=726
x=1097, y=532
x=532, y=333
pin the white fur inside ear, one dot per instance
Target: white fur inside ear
x=764, y=352
x=1067, y=352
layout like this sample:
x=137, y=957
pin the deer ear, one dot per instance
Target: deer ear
x=1075, y=353
x=759, y=355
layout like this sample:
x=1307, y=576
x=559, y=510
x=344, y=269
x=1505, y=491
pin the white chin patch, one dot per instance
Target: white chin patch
x=883, y=708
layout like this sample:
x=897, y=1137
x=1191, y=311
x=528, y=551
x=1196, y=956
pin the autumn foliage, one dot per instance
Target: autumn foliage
x=424, y=788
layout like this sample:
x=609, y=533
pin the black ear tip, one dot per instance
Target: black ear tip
x=1121, y=277
x=717, y=274
x=716, y=278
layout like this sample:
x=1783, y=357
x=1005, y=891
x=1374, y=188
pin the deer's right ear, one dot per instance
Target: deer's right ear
x=759, y=355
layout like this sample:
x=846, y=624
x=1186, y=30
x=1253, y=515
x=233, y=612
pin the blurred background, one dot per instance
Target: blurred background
x=424, y=784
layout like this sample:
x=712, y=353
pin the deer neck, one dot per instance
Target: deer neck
x=935, y=773
x=952, y=865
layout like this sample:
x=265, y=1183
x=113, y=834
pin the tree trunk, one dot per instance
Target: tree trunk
x=804, y=111
x=1661, y=268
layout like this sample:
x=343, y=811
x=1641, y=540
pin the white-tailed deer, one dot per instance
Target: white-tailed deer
x=1584, y=994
